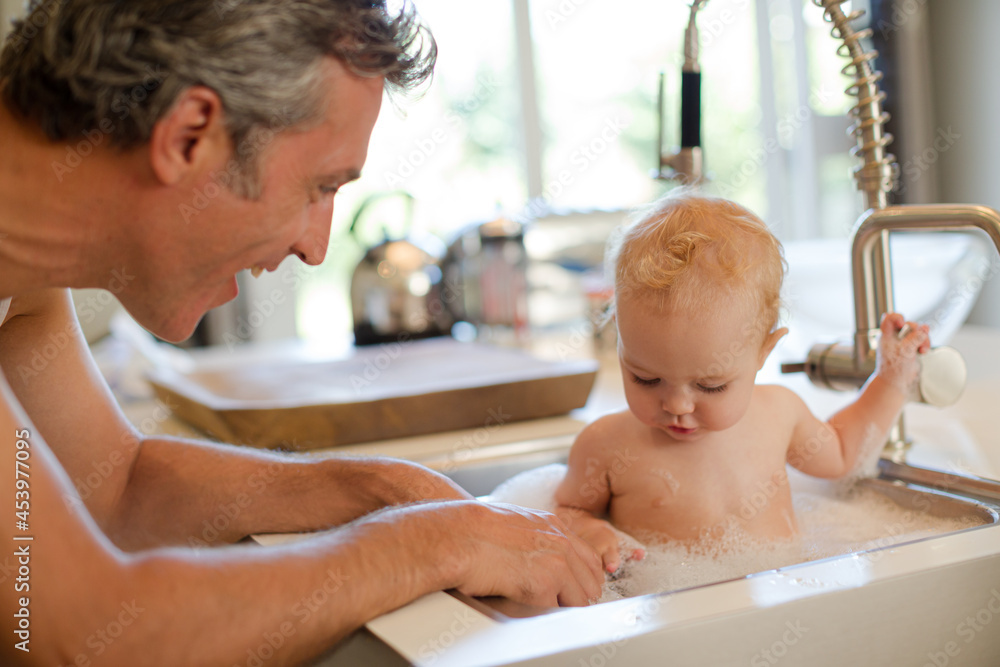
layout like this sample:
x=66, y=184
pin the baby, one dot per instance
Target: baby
x=701, y=450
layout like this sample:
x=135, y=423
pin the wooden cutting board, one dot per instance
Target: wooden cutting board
x=372, y=393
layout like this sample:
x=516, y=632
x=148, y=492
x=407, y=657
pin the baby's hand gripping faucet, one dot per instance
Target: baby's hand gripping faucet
x=848, y=365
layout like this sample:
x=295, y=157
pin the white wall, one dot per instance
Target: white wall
x=965, y=49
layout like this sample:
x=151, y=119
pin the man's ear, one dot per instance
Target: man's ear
x=768, y=345
x=191, y=134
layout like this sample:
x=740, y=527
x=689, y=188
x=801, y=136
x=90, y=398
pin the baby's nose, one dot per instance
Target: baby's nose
x=677, y=403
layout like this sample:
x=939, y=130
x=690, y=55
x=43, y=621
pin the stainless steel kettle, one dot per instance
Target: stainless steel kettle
x=396, y=287
x=485, y=271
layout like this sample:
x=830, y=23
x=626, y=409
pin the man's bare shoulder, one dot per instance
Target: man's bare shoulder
x=38, y=328
x=38, y=304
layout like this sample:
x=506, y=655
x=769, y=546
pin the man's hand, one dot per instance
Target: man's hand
x=596, y=532
x=524, y=554
x=602, y=536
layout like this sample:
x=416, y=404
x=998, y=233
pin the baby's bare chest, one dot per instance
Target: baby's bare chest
x=681, y=491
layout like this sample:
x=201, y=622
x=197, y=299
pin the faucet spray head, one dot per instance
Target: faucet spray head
x=685, y=163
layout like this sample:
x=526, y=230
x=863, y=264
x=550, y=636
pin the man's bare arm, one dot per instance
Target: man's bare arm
x=209, y=607
x=148, y=491
x=198, y=494
x=226, y=601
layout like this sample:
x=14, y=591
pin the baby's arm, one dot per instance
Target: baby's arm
x=831, y=449
x=585, y=492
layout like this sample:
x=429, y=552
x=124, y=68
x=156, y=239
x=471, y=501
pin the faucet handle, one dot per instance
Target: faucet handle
x=942, y=376
x=832, y=366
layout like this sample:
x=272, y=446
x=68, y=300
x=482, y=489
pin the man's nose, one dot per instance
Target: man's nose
x=312, y=245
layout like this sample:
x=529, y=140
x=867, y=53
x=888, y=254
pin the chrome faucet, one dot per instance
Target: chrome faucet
x=849, y=365
x=873, y=297
x=685, y=163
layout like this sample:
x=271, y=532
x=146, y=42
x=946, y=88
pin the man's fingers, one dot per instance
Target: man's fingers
x=584, y=565
x=592, y=558
x=591, y=578
x=557, y=567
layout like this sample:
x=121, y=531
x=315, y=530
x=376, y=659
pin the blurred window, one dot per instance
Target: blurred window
x=776, y=145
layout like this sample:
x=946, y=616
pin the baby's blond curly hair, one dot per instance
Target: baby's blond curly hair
x=685, y=247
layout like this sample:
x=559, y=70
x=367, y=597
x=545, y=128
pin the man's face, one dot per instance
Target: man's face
x=190, y=266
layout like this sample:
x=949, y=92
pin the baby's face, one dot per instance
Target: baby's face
x=688, y=372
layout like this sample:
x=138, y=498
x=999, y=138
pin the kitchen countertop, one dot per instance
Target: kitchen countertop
x=961, y=438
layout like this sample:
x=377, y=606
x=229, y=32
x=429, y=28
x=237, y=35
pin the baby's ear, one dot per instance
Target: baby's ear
x=768, y=345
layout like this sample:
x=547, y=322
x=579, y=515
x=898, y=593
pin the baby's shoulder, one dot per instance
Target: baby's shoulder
x=610, y=427
x=613, y=422
x=776, y=397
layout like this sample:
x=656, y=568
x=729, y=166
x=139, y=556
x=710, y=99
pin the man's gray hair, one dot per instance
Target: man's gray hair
x=117, y=66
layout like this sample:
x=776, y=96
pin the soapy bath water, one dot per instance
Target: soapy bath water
x=830, y=523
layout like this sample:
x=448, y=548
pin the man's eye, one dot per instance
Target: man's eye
x=645, y=382
x=328, y=189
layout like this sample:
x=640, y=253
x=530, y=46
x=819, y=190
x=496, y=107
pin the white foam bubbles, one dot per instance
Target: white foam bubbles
x=831, y=521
